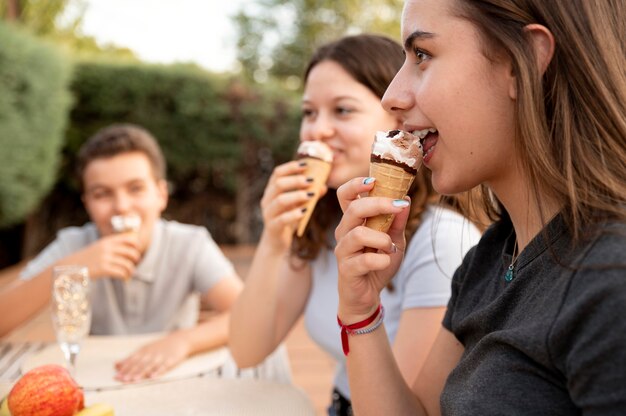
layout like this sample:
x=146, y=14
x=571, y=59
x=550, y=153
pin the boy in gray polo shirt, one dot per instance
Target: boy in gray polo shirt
x=141, y=281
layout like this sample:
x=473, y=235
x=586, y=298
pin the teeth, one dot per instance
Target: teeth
x=423, y=133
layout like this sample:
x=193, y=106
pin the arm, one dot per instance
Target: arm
x=113, y=256
x=275, y=293
x=14, y=310
x=416, y=334
x=165, y=353
x=361, y=278
x=274, y=297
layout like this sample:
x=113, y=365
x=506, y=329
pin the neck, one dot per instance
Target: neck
x=524, y=209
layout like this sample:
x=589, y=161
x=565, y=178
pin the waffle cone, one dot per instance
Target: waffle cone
x=392, y=182
x=319, y=171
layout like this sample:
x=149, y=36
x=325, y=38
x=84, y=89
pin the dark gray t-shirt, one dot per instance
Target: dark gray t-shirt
x=550, y=342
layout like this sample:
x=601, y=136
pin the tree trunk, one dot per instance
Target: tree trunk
x=14, y=10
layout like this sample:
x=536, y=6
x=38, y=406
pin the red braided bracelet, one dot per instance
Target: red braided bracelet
x=349, y=329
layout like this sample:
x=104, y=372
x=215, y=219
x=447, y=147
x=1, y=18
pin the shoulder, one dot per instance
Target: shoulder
x=607, y=248
x=179, y=231
x=599, y=264
x=441, y=221
x=74, y=237
x=444, y=232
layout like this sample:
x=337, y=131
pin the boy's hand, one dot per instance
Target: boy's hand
x=153, y=359
x=113, y=255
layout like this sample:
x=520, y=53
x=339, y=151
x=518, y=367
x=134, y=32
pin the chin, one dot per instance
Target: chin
x=451, y=187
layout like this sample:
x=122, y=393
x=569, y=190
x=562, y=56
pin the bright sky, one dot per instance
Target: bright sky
x=167, y=31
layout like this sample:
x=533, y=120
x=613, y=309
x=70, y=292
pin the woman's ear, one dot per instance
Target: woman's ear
x=543, y=43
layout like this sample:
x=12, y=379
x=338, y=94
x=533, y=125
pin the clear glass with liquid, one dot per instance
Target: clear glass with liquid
x=71, y=310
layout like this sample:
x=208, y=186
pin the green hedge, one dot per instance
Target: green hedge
x=204, y=122
x=34, y=101
x=220, y=136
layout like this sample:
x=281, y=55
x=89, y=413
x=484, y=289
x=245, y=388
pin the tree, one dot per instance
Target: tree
x=277, y=37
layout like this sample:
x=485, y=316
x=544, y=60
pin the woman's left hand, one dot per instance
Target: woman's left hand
x=153, y=359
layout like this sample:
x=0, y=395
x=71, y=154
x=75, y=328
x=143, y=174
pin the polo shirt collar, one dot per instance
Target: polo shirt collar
x=145, y=270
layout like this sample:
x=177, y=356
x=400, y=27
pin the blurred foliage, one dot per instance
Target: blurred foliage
x=202, y=121
x=33, y=111
x=221, y=137
x=277, y=37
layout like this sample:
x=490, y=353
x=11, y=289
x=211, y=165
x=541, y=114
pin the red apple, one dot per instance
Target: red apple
x=48, y=390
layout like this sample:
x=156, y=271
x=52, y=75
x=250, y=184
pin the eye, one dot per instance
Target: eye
x=99, y=195
x=420, y=55
x=137, y=188
x=307, y=113
x=344, y=111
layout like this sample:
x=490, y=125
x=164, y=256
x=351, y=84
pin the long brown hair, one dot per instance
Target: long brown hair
x=571, y=122
x=373, y=61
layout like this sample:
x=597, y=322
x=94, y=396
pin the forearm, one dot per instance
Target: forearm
x=254, y=332
x=206, y=335
x=22, y=299
x=376, y=384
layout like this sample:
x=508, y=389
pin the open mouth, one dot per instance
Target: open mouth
x=428, y=140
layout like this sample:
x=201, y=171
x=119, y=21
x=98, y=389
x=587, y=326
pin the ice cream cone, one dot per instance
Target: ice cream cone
x=396, y=157
x=126, y=224
x=392, y=182
x=318, y=170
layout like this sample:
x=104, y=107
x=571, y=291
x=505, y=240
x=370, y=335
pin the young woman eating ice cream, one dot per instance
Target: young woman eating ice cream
x=289, y=276
x=528, y=99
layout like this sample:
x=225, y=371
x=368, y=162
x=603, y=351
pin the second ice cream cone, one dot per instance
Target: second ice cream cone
x=319, y=158
x=318, y=170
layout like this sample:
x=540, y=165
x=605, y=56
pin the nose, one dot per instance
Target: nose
x=319, y=128
x=122, y=203
x=398, y=98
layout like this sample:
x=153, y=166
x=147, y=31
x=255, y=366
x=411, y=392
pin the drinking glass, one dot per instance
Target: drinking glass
x=71, y=310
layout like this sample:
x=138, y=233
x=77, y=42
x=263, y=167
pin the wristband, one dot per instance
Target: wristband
x=356, y=328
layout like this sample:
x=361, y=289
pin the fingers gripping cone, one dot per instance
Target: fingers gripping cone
x=319, y=158
x=318, y=170
x=391, y=182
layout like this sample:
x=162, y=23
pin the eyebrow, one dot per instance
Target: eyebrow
x=339, y=98
x=418, y=34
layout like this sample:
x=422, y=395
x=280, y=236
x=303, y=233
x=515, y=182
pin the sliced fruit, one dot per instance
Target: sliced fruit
x=4, y=408
x=98, y=409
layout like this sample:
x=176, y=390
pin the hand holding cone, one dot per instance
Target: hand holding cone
x=318, y=157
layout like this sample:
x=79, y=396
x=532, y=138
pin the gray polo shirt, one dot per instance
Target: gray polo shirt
x=182, y=260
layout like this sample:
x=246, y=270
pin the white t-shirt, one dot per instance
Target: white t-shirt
x=423, y=280
x=182, y=260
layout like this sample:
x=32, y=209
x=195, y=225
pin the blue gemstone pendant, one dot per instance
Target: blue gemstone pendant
x=510, y=273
